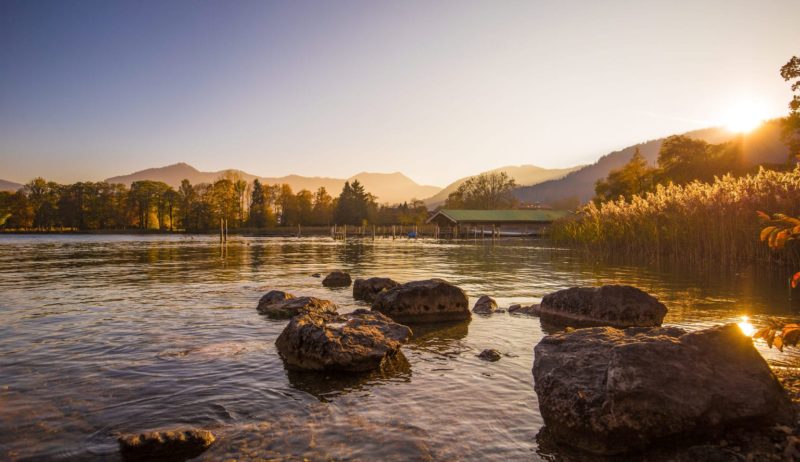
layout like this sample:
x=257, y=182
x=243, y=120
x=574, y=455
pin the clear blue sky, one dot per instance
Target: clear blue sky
x=435, y=89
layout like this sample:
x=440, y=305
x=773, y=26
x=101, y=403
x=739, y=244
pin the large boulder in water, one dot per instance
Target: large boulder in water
x=432, y=300
x=616, y=306
x=610, y=391
x=358, y=341
x=166, y=445
x=337, y=279
x=290, y=307
x=368, y=289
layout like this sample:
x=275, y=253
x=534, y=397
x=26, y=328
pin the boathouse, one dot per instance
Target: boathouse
x=522, y=222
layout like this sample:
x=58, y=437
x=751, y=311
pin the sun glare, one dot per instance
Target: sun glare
x=746, y=326
x=744, y=116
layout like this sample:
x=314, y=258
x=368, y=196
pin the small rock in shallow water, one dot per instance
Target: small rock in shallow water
x=337, y=279
x=519, y=309
x=490, y=355
x=485, y=305
x=165, y=445
x=316, y=275
x=273, y=296
x=368, y=289
x=285, y=309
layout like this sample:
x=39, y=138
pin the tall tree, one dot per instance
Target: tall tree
x=487, y=191
x=636, y=177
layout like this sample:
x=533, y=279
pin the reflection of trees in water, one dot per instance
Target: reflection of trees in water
x=325, y=385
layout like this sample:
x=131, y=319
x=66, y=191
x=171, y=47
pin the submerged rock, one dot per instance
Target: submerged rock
x=358, y=341
x=609, y=391
x=290, y=307
x=485, y=305
x=368, y=289
x=273, y=296
x=616, y=306
x=337, y=279
x=432, y=300
x=165, y=445
x=490, y=354
x=531, y=310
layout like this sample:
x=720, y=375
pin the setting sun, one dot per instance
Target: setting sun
x=744, y=115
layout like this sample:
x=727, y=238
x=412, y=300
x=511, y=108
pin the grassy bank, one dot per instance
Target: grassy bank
x=700, y=223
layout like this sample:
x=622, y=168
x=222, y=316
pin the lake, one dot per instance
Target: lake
x=101, y=334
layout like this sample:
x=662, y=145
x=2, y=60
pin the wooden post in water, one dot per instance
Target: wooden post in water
x=226, y=230
x=393, y=233
x=220, y=231
x=344, y=233
x=373, y=232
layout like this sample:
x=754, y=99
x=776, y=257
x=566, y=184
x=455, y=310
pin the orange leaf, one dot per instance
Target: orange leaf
x=766, y=232
x=795, y=280
x=762, y=215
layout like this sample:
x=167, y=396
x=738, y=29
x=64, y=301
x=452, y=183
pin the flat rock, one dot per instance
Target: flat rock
x=165, y=445
x=485, y=305
x=610, y=391
x=358, y=341
x=532, y=310
x=290, y=307
x=337, y=279
x=431, y=300
x=615, y=306
x=368, y=289
x=273, y=296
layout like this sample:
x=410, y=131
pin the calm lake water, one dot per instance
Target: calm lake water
x=108, y=334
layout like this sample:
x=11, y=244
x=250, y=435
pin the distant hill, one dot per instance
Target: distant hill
x=387, y=187
x=9, y=186
x=523, y=175
x=763, y=145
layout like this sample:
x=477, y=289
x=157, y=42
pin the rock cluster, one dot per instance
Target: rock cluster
x=610, y=391
x=490, y=354
x=431, y=300
x=368, y=289
x=358, y=341
x=532, y=310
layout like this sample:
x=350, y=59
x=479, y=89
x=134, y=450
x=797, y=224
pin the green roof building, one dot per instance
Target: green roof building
x=496, y=222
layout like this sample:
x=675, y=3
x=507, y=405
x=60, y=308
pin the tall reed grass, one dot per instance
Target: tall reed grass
x=699, y=223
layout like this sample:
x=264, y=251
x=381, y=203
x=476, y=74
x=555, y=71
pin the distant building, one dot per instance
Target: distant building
x=495, y=222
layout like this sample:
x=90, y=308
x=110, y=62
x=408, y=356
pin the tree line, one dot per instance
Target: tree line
x=153, y=205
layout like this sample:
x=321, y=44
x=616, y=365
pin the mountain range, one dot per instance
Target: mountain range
x=387, y=187
x=761, y=146
x=523, y=175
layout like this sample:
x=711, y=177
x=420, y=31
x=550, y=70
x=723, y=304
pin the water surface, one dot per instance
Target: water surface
x=108, y=334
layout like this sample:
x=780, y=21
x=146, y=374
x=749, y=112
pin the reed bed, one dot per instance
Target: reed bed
x=699, y=223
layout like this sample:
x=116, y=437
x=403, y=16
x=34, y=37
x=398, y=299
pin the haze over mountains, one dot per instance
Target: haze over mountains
x=387, y=187
x=761, y=146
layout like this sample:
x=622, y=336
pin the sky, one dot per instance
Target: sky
x=435, y=89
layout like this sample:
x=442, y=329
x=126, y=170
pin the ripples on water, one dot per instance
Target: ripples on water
x=108, y=334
